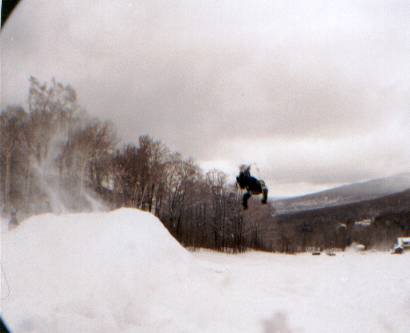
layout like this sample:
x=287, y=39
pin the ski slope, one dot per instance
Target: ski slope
x=123, y=272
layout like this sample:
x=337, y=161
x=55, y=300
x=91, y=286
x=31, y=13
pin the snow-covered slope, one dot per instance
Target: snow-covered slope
x=349, y=292
x=123, y=272
x=101, y=272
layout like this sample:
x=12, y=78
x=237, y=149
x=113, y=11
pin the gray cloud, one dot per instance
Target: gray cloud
x=302, y=89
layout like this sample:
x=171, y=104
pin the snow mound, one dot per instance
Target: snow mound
x=123, y=272
x=99, y=272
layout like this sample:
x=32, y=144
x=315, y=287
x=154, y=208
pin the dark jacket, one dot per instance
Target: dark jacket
x=251, y=184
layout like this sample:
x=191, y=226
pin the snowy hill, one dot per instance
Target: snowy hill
x=123, y=272
x=345, y=194
x=99, y=272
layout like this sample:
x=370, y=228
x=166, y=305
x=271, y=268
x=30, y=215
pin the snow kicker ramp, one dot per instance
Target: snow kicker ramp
x=102, y=272
x=123, y=272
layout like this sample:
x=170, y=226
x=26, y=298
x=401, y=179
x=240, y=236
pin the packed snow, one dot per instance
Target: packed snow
x=123, y=272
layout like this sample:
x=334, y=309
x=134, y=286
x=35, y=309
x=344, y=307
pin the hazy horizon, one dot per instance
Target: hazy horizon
x=312, y=94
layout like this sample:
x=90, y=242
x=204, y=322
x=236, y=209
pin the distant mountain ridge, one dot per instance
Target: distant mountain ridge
x=367, y=209
x=345, y=194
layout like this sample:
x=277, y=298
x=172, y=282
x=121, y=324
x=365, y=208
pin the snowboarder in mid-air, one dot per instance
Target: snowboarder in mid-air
x=251, y=184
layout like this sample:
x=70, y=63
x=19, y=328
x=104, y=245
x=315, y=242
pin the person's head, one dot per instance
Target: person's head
x=244, y=168
x=244, y=174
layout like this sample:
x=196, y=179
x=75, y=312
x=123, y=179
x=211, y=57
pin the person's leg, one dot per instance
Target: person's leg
x=265, y=196
x=264, y=192
x=245, y=199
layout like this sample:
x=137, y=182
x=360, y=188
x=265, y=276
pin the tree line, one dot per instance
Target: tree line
x=54, y=157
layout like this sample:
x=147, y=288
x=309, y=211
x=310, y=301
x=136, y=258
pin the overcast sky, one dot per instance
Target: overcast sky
x=313, y=93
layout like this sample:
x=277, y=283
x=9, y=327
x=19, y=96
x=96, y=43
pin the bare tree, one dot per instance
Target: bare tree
x=12, y=124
